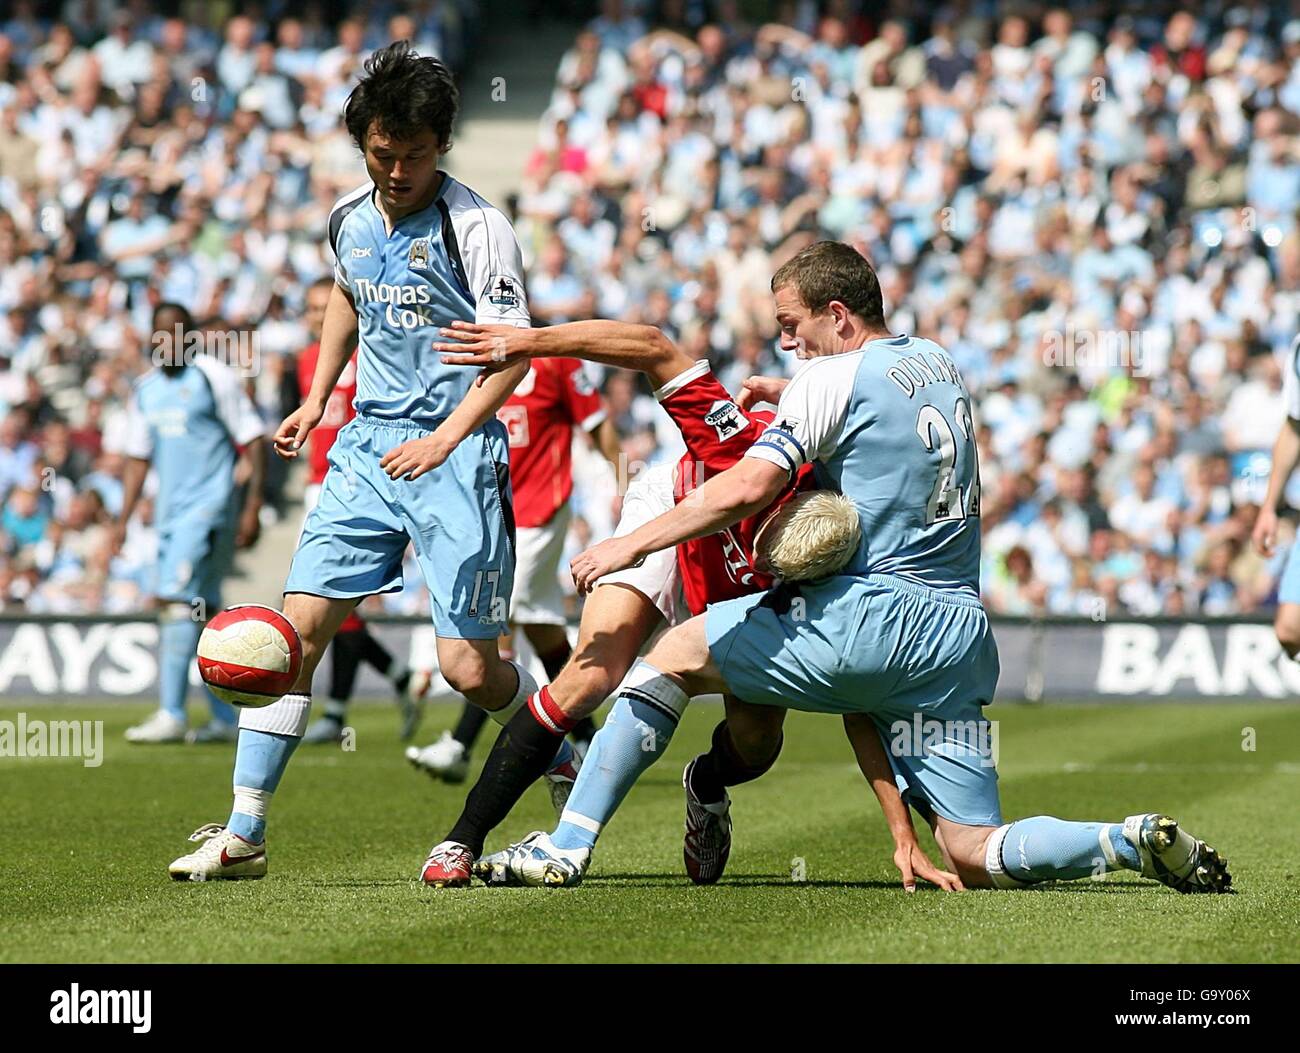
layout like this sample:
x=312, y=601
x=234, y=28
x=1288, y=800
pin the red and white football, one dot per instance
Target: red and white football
x=250, y=655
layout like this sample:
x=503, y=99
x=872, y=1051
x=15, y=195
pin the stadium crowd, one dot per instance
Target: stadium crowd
x=1095, y=210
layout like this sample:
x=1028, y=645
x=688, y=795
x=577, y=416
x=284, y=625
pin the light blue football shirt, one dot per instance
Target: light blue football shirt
x=188, y=426
x=890, y=426
x=456, y=259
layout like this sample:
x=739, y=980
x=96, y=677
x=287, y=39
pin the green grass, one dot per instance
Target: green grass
x=84, y=851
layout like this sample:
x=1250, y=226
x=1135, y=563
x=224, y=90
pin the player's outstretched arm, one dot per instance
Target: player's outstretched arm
x=623, y=344
x=743, y=489
x=909, y=857
x=338, y=338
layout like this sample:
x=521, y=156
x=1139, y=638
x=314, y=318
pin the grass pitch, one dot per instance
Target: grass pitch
x=84, y=852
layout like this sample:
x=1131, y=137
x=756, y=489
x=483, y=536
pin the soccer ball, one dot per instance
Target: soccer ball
x=811, y=536
x=250, y=655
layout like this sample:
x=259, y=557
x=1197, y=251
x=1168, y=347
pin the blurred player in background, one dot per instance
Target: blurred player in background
x=189, y=419
x=555, y=397
x=1286, y=455
x=425, y=460
x=353, y=643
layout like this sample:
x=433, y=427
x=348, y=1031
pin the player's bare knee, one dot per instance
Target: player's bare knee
x=469, y=676
x=315, y=617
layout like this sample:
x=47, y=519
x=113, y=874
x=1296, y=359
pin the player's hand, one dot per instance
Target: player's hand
x=249, y=528
x=761, y=389
x=294, y=429
x=1264, y=535
x=116, y=537
x=611, y=555
x=492, y=347
x=913, y=863
x=412, y=459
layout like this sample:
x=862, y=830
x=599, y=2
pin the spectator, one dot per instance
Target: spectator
x=1095, y=214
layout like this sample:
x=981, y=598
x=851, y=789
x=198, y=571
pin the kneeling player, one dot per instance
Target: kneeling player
x=628, y=607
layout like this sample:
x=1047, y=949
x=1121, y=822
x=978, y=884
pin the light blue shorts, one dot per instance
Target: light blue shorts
x=195, y=553
x=458, y=517
x=921, y=661
x=1288, y=589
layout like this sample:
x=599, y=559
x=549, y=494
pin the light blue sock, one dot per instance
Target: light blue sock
x=633, y=737
x=178, y=639
x=260, y=760
x=1044, y=848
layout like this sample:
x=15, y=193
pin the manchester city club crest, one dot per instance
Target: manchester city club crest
x=418, y=258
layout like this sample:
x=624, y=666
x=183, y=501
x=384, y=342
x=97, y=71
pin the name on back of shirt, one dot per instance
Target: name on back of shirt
x=913, y=372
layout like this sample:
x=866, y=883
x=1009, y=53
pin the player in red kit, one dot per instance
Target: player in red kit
x=553, y=398
x=626, y=608
x=354, y=642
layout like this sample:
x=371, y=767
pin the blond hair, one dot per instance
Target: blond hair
x=811, y=536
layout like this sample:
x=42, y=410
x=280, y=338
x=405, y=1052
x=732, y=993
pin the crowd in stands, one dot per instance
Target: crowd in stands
x=1092, y=206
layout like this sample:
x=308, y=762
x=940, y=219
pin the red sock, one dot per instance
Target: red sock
x=548, y=714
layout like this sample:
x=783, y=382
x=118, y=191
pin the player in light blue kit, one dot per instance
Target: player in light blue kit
x=187, y=418
x=898, y=644
x=425, y=461
x=1286, y=455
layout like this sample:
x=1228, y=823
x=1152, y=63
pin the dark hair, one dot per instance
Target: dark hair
x=187, y=319
x=404, y=93
x=831, y=270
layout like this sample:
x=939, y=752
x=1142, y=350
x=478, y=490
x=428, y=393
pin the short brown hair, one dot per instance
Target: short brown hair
x=831, y=270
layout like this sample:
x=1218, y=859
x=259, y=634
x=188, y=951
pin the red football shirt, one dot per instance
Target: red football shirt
x=717, y=434
x=338, y=409
x=555, y=396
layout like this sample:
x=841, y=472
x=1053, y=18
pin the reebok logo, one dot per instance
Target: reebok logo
x=363, y=252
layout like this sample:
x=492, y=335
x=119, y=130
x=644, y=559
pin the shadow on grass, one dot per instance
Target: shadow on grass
x=1085, y=888
x=740, y=881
